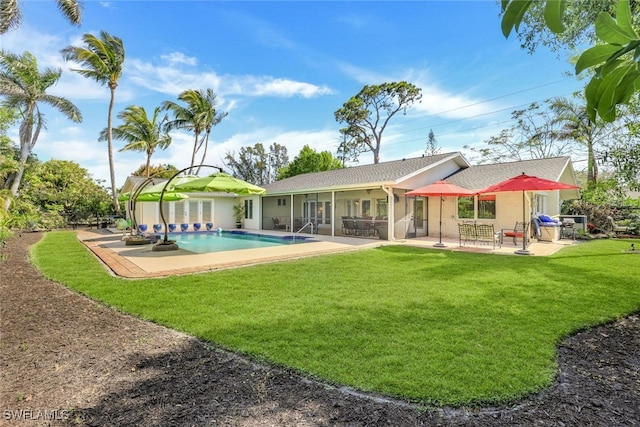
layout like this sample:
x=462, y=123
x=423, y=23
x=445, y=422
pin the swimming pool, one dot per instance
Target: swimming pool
x=205, y=242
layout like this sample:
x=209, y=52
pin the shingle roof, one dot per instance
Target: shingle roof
x=482, y=176
x=133, y=181
x=377, y=174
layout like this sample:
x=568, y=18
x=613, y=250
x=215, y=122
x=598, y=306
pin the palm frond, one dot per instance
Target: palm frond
x=72, y=10
x=140, y=132
x=102, y=58
x=65, y=106
x=10, y=15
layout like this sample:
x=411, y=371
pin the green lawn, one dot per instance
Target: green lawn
x=433, y=326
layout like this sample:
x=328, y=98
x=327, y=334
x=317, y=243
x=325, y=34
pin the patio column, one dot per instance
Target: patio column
x=291, y=210
x=333, y=215
x=390, y=214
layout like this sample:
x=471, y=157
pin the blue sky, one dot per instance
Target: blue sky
x=282, y=68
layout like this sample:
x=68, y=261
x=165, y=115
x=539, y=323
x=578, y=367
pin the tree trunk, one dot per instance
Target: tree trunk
x=193, y=154
x=112, y=170
x=592, y=168
x=375, y=149
x=26, y=143
x=148, y=164
x=204, y=154
x=376, y=157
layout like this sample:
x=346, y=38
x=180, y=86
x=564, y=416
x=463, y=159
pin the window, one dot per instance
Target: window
x=282, y=202
x=351, y=207
x=207, y=208
x=466, y=208
x=248, y=209
x=185, y=213
x=487, y=207
x=541, y=203
x=193, y=212
x=381, y=207
x=366, y=208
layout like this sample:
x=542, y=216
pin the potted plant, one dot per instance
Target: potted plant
x=238, y=214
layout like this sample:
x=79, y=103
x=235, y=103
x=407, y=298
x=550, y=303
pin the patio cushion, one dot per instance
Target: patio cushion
x=546, y=218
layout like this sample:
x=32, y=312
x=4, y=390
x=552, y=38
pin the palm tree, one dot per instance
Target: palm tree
x=10, y=14
x=577, y=126
x=210, y=118
x=23, y=87
x=198, y=116
x=140, y=132
x=103, y=59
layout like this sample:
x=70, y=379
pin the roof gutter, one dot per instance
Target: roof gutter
x=336, y=189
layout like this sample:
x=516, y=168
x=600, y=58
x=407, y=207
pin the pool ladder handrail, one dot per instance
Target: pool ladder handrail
x=310, y=223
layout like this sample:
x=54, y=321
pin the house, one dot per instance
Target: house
x=377, y=191
x=372, y=199
x=215, y=208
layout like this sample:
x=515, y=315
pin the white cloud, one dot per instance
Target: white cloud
x=320, y=140
x=73, y=86
x=45, y=47
x=438, y=102
x=362, y=75
x=172, y=80
x=79, y=151
x=179, y=58
x=167, y=79
x=267, y=86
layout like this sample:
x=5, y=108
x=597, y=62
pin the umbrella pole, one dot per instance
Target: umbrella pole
x=164, y=223
x=440, y=244
x=166, y=244
x=524, y=250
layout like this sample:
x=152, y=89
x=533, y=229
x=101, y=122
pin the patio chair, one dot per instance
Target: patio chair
x=486, y=234
x=380, y=227
x=277, y=225
x=617, y=229
x=359, y=226
x=348, y=225
x=467, y=232
x=519, y=230
x=368, y=226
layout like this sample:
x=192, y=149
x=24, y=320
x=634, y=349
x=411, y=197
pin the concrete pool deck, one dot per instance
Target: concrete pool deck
x=141, y=262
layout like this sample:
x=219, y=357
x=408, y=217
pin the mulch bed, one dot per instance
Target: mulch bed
x=66, y=357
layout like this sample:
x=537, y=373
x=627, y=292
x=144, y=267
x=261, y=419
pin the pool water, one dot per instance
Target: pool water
x=205, y=242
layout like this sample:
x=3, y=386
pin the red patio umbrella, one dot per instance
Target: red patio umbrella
x=524, y=183
x=440, y=188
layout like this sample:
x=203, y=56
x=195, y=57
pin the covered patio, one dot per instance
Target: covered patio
x=379, y=201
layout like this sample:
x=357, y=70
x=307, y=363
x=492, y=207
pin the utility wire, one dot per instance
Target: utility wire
x=431, y=126
x=484, y=101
